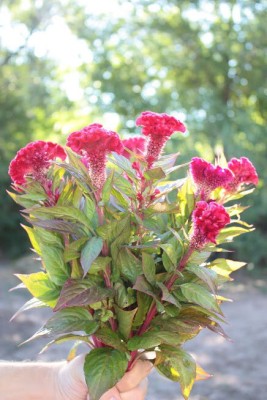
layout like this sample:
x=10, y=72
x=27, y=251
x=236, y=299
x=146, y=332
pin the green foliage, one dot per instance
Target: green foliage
x=103, y=368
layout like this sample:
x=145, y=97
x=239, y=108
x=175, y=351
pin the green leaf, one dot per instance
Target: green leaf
x=206, y=275
x=125, y=320
x=53, y=261
x=227, y=234
x=99, y=264
x=77, y=292
x=186, y=200
x=113, y=229
x=63, y=339
x=152, y=339
x=89, y=209
x=225, y=267
x=129, y=265
x=124, y=164
x=106, y=191
x=90, y=252
x=121, y=198
x=199, y=295
x=103, y=368
x=110, y=338
x=178, y=366
x=66, y=213
x=167, y=296
x=124, y=186
x=149, y=267
x=144, y=302
x=68, y=320
x=155, y=174
x=124, y=297
x=41, y=287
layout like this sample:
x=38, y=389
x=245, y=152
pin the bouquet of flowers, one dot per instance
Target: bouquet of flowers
x=130, y=258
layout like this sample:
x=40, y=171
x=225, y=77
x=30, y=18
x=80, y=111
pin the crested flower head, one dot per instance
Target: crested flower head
x=207, y=177
x=158, y=127
x=34, y=160
x=243, y=171
x=208, y=219
x=94, y=139
x=94, y=142
x=136, y=144
x=159, y=124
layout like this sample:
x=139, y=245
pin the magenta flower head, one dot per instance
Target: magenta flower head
x=93, y=143
x=208, y=220
x=34, y=160
x=136, y=144
x=207, y=177
x=243, y=171
x=158, y=127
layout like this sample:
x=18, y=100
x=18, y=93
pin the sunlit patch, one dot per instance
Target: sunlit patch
x=175, y=373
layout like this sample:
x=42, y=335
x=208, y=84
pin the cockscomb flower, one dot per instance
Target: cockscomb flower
x=34, y=160
x=93, y=143
x=208, y=220
x=136, y=144
x=207, y=177
x=158, y=127
x=243, y=171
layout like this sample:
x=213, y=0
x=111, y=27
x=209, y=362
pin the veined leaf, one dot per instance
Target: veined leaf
x=53, y=261
x=206, y=275
x=149, y=267
x=90, y=252
x=124, y=164
x=125, y=320
x=199, y=295
x=124, y=186
x=154, y=174
x=225, y=267
x=178, y=366
x=227, y=234
x=41, y=287
x=129, y=265
x=103, y=368
x=77, y=292
x=144, y=302
x=110, y=338
x=72, y=319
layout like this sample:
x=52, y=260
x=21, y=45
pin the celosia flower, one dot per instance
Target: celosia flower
x=34, y=160
x=136, y=144
x=158, y=127
x=94, y=142
x=207, y=177
x=208, y=220
x=243, y=171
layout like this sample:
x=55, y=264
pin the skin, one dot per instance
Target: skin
x=65, y=381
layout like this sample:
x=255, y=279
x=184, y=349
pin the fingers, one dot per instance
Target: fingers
x=133, y=378
x=138, y=393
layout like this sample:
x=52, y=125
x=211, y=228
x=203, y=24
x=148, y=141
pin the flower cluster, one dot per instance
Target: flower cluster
x=94, y=142
x=207, y=177
x=243, y=172
x=136, y=145
x=158, y=127
x=34, y=160
x=208, y=220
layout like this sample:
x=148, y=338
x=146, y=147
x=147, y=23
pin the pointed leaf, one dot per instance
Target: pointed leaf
x=90, y=252
x=103, y=368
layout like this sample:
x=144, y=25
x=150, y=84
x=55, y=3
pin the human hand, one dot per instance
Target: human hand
x=70, y=382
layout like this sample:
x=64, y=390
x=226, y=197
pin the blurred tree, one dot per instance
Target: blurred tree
x=201, y=60
x=30, y=96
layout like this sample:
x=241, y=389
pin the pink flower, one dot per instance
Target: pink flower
x=243, y=171
x=208, y=220
x=94, y=142
x=207, y=177
x=158, y=127
x=34, y=160
x=136, y=144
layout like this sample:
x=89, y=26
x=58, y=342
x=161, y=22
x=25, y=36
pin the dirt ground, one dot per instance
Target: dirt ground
x=239, y=368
